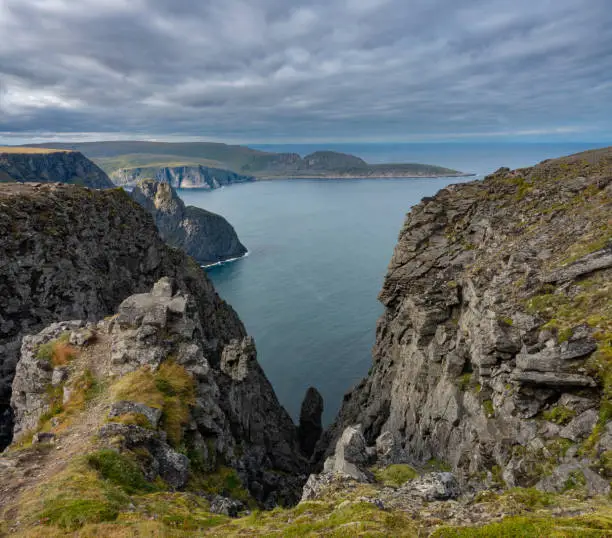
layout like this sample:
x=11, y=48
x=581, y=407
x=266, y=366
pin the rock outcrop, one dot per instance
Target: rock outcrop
x=180, y=177
x=493, y=354
x=165, y=388
x=310, y=427
x=67, y=252
x=206, y=236
x=51, y=166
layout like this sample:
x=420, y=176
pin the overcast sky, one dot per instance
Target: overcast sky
x=310, y=70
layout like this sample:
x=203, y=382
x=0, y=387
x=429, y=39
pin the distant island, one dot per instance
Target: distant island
x=209, y=165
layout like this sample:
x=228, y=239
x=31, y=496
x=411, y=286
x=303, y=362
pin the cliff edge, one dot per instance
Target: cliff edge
x=49, y=166
x=494, y=352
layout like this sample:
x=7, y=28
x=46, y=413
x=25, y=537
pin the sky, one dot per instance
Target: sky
x=306, y=71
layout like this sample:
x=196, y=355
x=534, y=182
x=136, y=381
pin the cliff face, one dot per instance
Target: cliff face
x=205, y=236
x=493, y=354
x=165, y=395
x=71, y=253
x=50, y=167
x=180, y=177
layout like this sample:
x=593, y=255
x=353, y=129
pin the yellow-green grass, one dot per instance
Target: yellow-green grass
x=29, y=151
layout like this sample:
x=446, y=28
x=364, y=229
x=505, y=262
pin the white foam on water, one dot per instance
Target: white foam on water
x=223, y=262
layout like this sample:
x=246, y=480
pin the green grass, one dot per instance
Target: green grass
x=436, y=465
x=120, y=470
x=559, y=415
x=223, y=481
x=171, y=389
x=71, y=514
x=534, y=527
x=395, y=475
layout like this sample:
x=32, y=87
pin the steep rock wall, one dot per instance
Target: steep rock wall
x=67, y=252
x=180, y=177
x=206, y=236
x=493, y=354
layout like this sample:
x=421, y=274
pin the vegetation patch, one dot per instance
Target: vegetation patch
x=58, y=352
x=171, y=389
x=120, y=470
x=436, y=465
x=223, y=481
x=559, y=415
x=395, y=475
x=592, y=525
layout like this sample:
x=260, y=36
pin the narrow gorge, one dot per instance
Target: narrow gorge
x=138, y=405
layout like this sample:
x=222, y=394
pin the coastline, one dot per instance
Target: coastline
x=360, y=176
x=226, y=261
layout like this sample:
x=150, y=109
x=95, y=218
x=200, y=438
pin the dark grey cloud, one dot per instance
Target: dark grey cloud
x=333, y=69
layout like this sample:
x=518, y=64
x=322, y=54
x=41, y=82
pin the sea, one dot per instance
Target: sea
x=318, y=254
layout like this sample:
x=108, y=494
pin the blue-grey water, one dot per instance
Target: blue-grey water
x=318, y=253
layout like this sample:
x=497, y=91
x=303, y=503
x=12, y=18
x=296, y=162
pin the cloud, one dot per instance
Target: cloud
x=262, y=70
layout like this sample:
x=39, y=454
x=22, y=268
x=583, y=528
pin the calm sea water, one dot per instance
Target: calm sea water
x=318, y=253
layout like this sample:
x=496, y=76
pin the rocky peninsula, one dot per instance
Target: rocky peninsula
x=205, y=236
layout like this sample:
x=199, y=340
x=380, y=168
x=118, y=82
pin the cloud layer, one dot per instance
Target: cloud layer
x=265, y=70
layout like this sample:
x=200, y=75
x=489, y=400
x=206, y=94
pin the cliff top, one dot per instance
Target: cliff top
x=30, y=151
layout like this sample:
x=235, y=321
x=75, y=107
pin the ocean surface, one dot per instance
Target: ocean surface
x=318, y=254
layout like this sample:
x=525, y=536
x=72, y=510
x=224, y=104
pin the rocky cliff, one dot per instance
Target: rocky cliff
x=72, y=253
x=494, y=352
x=164, y=395
x=50, y=166
x=205, y=236
x=180, y=177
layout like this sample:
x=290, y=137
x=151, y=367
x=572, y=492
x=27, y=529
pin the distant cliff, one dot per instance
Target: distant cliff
x=179, y=163
x=205, y=236
x=180, y=177
x=50, y=166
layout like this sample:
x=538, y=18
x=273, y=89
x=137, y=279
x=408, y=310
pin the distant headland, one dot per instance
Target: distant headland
x=208, y=165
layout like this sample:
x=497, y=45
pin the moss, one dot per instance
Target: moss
x=506, y=321
x=395, y=475
x=575, y=480
x=120, y=470
x=464, y=381
x=606, y=463
x=224, y=481
x=436, y=465
x=559, y=415
x=489, y=410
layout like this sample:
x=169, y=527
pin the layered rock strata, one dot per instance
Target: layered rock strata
x=493, y=354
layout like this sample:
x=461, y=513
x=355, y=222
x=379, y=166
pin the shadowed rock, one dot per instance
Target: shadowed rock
x=310, y=428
